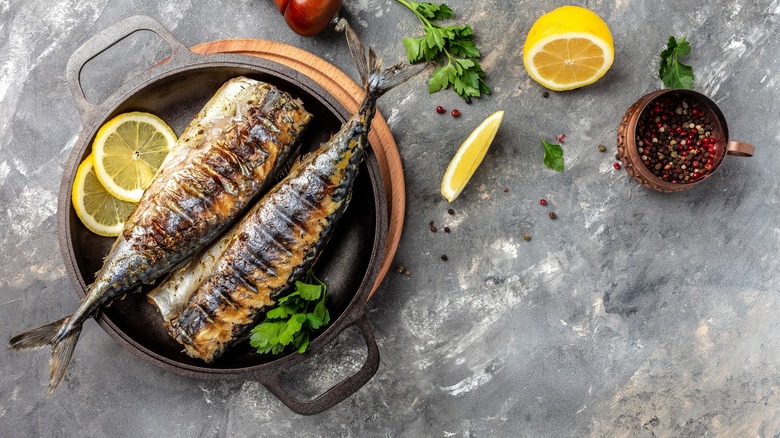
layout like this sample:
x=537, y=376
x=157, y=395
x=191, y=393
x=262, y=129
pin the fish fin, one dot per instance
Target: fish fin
x=61, y=353
x=375, y=80
x=358, y=52
x=37, y=337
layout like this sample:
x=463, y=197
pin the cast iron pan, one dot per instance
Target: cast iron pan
x=175, y=91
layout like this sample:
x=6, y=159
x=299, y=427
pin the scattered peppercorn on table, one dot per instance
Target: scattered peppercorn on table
x=536, y=303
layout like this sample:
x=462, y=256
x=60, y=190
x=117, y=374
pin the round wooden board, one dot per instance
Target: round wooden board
x=350, y=94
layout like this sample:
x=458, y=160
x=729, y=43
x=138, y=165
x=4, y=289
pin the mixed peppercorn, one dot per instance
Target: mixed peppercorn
x=676, y=140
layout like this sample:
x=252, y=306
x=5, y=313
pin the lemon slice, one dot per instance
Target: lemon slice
x=128, y=150
x=568, y=48
x=100, y=212
x=469, y=156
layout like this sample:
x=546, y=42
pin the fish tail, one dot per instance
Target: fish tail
x=61, y=353
x=376, y=81
x=37, y=337
x=62, y=341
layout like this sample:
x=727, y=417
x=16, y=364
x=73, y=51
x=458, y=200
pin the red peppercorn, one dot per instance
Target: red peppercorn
x=455, y=113
x=616, y=165
x=440, y=109
x=543, y=201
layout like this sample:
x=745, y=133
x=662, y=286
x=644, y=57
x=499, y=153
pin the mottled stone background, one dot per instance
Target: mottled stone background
x=633, y=314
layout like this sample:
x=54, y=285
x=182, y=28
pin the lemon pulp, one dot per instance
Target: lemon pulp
x=568, y=48
x=469, y=156
x=100, y=212
x=128, y=150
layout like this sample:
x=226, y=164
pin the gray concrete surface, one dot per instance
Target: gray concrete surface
x=633, y=314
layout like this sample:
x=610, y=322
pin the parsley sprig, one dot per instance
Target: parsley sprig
x=451, y=47
x=672, y=72
x=297, y=316
x=553, y=156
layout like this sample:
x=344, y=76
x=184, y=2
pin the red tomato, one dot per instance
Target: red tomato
x=308, y=17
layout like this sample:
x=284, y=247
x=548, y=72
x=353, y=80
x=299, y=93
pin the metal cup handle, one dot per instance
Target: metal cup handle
x=739, y=149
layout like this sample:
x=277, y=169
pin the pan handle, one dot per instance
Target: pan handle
x=338, y=392
x=105, y=40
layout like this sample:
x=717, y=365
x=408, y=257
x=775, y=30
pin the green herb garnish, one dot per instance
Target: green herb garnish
x=294, y=319
x=451, y=47
x=673, y=73
x=553, y=156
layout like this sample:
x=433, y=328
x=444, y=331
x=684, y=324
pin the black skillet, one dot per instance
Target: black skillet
x=175, y=91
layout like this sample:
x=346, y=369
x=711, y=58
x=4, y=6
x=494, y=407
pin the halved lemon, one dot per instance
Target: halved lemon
x=568, y=48
x=128, y=150
x=100, y=212
x=469, y=156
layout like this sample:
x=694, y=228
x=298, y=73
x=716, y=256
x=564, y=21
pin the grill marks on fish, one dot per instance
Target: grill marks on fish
x=226, y=156
x=273, y=244
x=223, y=177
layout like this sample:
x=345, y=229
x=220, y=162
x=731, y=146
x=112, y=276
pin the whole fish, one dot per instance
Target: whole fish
x=224, y=158
x=279, y=238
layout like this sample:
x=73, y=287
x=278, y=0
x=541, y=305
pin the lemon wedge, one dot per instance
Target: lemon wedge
x=568, y=48
x=469, y=156
x=128, y=150
x=100, y=212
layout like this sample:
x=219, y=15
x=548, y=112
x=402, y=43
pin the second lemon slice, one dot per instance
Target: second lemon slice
x=128, y=150
x=568, y=48
x=102, y=213
x=469, y=156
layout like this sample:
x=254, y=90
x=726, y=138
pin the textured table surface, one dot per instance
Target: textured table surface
x=633, y=314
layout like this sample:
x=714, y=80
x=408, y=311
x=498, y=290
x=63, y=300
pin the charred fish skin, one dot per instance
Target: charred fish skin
x=226, y=156
x=279, y=239
x=275, y=243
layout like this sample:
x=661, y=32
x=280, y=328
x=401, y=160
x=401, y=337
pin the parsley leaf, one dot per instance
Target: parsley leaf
x=294, y=319
x=452, y=48
x=553, y=156
x=672, y=72
x=309, y=292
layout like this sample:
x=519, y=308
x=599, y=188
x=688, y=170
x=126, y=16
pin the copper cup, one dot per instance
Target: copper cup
x=627, y=147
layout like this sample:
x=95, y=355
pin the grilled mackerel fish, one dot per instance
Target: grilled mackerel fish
x=278, y=240
x=228, y=154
